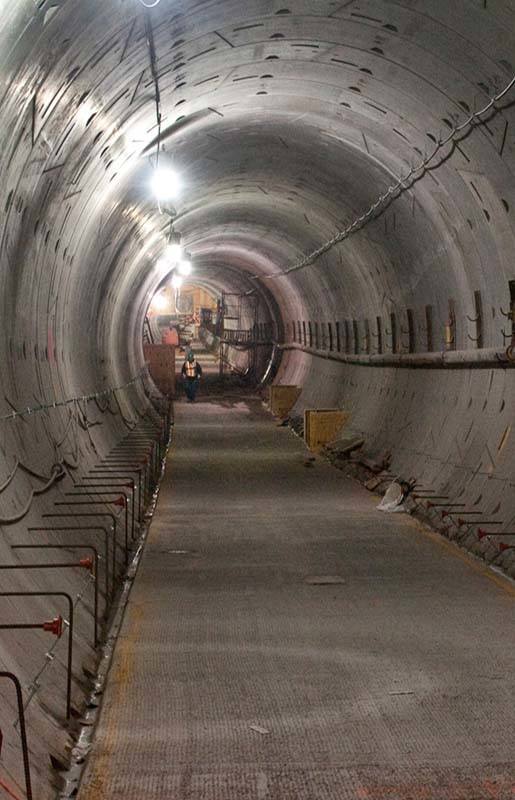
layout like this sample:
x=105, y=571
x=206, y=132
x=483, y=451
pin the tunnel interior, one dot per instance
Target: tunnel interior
x=324, y=174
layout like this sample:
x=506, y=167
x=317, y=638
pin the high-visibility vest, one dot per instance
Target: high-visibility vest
x=191, y=369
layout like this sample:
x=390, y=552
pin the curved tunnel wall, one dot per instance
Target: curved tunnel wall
x=286, y=120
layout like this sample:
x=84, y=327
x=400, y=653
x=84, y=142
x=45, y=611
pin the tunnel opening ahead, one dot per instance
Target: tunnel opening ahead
x=234, y=327
x=341, y=177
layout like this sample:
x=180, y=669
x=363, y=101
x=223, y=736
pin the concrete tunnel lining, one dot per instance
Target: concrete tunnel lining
x=285, y=121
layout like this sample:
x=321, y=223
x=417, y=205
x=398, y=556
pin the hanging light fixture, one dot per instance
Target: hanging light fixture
x=174, y=249
x=165, y=183
x=173, y=252
x=185, y=267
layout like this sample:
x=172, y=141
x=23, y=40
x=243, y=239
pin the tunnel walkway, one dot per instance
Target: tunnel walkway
x=283, y=639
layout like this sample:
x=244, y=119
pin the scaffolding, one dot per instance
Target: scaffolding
x=235, y=312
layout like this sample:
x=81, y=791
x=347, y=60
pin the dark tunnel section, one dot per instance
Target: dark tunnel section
x=285, y=122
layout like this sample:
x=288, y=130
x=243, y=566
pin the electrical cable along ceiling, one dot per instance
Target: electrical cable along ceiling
x=351, y=163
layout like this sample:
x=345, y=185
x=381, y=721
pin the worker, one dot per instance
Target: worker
x=170, y=336
x=191, y=372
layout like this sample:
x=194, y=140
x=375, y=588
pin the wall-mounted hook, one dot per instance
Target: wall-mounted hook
x=448, y=334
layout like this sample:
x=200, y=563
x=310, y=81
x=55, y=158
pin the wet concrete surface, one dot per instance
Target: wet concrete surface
x=284, y=639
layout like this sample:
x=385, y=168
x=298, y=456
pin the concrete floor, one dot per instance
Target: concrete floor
x=237, y=677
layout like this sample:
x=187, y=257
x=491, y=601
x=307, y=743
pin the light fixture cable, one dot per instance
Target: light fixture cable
x=149, y=32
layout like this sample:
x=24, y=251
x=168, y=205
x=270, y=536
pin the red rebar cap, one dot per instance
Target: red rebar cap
x=503, y=546
x=55, y=626
x=120, y=501
x=86, y=562
x=481, y=533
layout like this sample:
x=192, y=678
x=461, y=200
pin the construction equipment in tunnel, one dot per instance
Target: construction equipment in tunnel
x=87, y=482
x=85, y=529
x=141, y=467
x=144, y=461
x=161, y=361
x=137, y=447
x=94, y=572
x=121, y=501
x=93, y=515
x=237, y=320
x=142, y=464
x=70, y=637
x=23, y=732
x=104, y=475
x=93, y=492
x=282, y=398
x=54, y=626
x=57, y=629
x=322, y=425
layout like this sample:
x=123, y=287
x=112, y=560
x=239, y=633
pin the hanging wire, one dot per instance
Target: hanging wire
x=149, y=31
x=393, y=191
x=71, y=400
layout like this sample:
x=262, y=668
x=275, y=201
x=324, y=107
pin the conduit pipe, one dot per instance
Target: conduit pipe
x=452, y=359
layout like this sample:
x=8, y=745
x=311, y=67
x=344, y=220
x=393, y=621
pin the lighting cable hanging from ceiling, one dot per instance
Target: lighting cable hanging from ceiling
x=165, y=183
x=395, y=190
x=149, y=33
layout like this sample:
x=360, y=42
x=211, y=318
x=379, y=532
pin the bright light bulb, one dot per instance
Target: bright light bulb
x=165, y=183
x=173, y=252
x=163, y=266
x=176, y=281
x=185, y=268
x=159, y=302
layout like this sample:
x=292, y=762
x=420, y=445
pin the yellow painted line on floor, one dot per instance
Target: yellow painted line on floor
x=453, y=550
x=505, y=584
x=119, y=678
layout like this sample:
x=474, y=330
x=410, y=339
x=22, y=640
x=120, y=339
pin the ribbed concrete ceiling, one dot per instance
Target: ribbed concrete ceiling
x=285, y=122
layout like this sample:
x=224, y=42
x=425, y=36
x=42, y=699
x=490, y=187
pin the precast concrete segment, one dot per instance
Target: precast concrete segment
x=284, y=639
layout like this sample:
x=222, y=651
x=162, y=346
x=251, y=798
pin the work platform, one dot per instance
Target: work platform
x=284, y=640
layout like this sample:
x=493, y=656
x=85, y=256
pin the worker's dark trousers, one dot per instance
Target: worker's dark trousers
x=191, y=386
